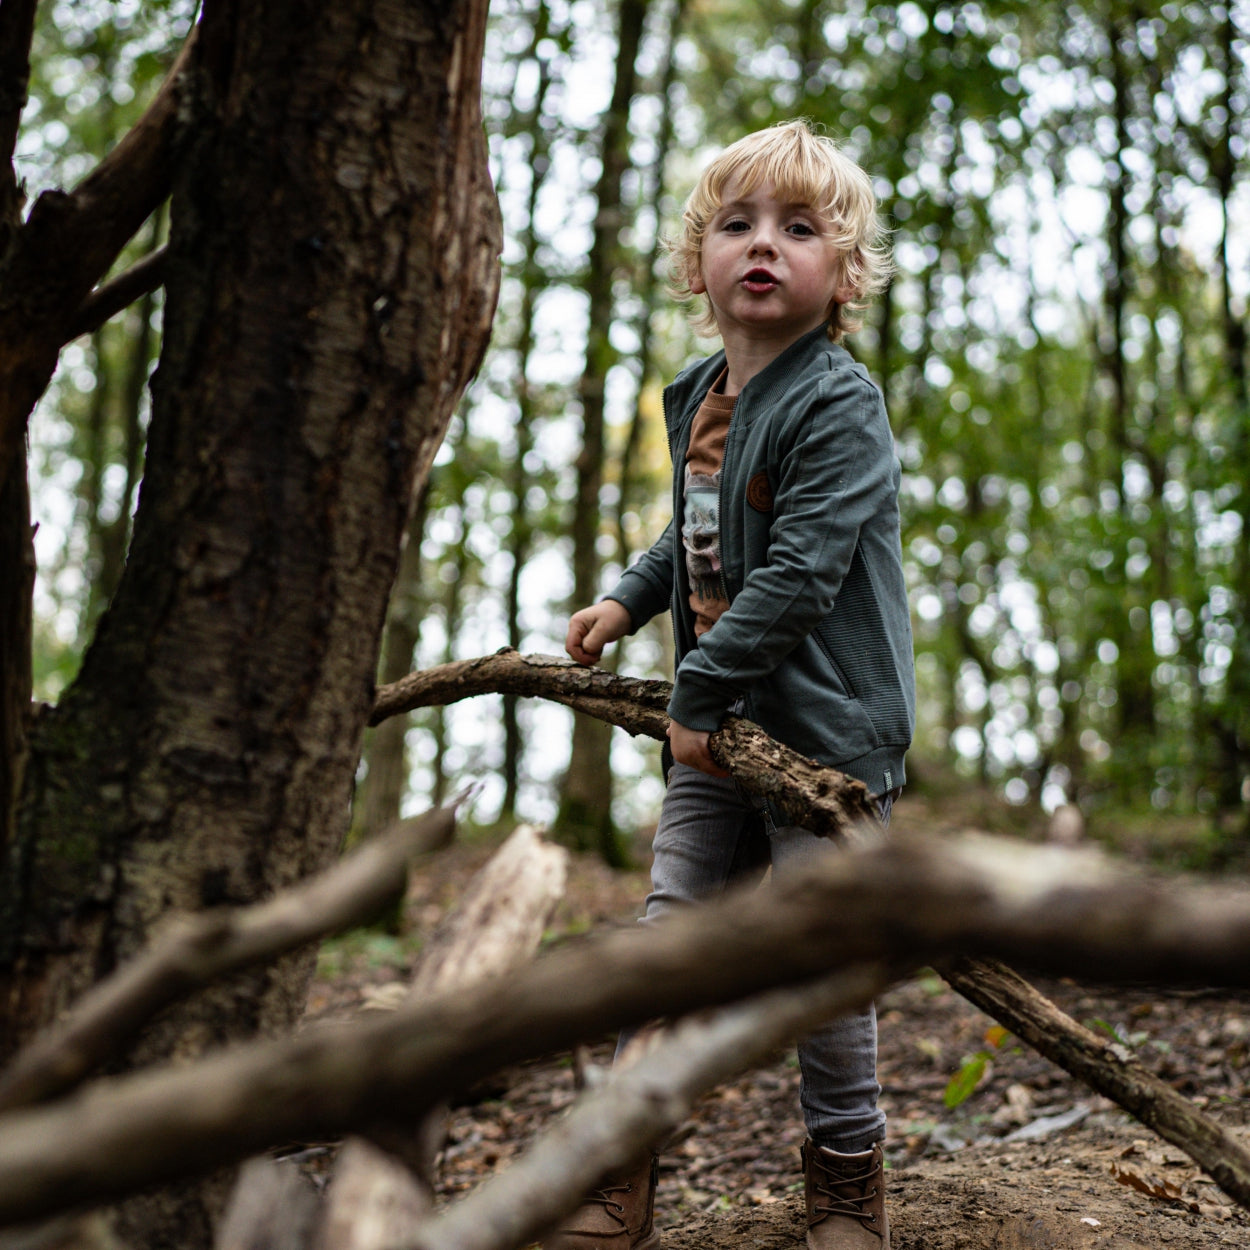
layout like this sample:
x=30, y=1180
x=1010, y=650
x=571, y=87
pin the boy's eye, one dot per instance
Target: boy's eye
x=735, y=226
x=801, y=228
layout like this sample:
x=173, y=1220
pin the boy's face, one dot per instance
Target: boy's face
x=769, y=269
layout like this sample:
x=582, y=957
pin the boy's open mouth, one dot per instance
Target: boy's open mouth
x=759, y=280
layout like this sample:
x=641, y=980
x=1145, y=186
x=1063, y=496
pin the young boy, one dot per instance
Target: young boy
x=783, y=572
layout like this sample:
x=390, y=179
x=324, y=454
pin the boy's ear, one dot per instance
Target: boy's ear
x=694, y=280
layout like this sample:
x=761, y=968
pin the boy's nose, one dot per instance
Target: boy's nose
x=762, y=242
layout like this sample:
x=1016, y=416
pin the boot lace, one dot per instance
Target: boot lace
x=830, y=1203
x=604, y=1197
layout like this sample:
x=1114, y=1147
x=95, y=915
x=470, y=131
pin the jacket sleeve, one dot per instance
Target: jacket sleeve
x=836, y=472
x=646, y=587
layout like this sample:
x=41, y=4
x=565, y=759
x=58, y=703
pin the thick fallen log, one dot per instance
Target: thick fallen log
x=917, y=901
x=500, y=920
x=198, y=949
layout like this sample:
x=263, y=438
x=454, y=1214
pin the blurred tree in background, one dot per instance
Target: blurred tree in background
x=1063, y=351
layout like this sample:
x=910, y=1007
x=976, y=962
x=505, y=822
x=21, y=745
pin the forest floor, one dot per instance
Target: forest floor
x=1029, y=1160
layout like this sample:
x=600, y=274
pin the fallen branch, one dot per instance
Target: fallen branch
x=374, y=1202
x=993, y=987
x=918, y=901
x=1110, y=1068
x=198, y=949
x=499, y=921
x=809, y=794
x=272, y=1208
x=636, y=1107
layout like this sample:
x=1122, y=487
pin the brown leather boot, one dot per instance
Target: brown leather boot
x=845, y=1199
x=619, y=1215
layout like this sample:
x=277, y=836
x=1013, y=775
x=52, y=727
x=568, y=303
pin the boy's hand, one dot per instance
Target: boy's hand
x=591, y=629
x=690, y=747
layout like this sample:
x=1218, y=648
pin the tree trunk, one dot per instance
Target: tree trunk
x=332, y=273
x=534, y=279
x=584, y=821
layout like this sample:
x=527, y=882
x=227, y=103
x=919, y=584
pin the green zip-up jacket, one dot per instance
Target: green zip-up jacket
x=817, y=635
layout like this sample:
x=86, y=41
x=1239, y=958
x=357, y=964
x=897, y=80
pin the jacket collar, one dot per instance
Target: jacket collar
x=689, y=387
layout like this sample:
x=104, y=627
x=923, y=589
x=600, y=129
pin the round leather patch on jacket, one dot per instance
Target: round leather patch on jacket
x=759, y=493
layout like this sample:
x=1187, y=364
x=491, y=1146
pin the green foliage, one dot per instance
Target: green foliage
x=972, y=1071
x=1063, y=351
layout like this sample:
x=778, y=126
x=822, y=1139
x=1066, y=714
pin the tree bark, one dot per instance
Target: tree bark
x=316, y=342
x=196, y=950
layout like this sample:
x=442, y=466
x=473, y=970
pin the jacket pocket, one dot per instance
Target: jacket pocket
x=823, y=635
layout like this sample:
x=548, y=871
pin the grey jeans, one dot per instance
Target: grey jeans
x=712, y=836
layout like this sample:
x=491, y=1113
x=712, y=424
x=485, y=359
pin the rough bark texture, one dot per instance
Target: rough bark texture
x=818, y=798
x=331, y=276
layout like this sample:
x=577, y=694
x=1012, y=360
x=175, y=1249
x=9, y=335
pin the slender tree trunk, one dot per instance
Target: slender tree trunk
x=315, y=345
x=584, y=821
x=113, y=537
x=1135, y=706
x=1232, y=722
x=649, y=291
x=533, y=281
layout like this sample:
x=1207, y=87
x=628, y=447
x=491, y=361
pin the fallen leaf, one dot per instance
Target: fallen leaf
x=1145, y=1183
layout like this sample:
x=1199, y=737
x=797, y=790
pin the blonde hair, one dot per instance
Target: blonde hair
x=803, y=167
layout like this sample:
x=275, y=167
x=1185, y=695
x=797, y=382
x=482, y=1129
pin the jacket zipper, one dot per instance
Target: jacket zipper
x=720, y=505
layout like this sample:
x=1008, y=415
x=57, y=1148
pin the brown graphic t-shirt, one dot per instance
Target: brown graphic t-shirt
x=700, y=529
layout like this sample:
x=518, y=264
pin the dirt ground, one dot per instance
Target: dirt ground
x=1029, y=1160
